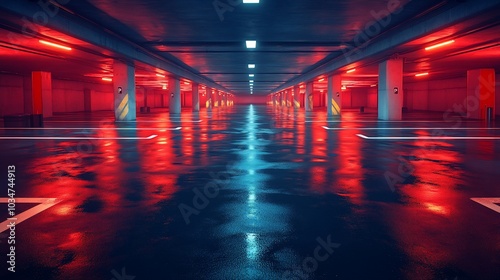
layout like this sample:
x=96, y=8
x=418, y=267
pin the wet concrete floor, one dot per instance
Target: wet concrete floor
x=253, y=192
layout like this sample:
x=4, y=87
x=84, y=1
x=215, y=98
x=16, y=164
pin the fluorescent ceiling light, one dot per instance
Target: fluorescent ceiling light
x=251, y=66
x=251, y=81
x=54, y=45
x=440, y=45
x=251, y=1
x=350, y=71
x=251, y=75
x=251, y=44
x=107, y=79
x=160, y=75
x=422, y=74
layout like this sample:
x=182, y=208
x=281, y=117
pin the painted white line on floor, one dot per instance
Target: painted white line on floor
x=410, y=128
x=76, y=138
x=427, y=137
x=90, y=128
x=198, y=121
x=490, y=202
x=43, y=204
x=380, y=121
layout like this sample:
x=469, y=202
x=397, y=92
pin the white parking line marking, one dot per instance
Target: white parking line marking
x=427, y=137
x=489, y=202
x=410, y=128
x=76, y=138
x=43, y=204
x=90, y=128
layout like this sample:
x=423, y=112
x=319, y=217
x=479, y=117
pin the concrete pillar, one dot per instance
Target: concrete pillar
x=196, y=97
x=210, y=101
x=124, y=91
x=309, y=97
x=174, y=89
x=390, y=89
x=296, y=97
x=480, y=93
x=334, y=96
x=41, y=86
x=87, y=100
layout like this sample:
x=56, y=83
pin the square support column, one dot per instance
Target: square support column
x=334, y=97
x=41, y=86
x=124, y=91
x=480, y=93
x=196, y=97
x=390, y=90
x=174, y=88
x=296, y=97
x=309, y=97
x=209, y=103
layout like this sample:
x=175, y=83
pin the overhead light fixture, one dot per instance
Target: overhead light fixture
x=164, y=87
x=321, y=80
x=251, y=44
x=251, y=66
x=440, y=45
x=421, y=74
x=350, y=71
x=344, y=87
x=187, y=83
x=54, y=45
x=373, y=85
x=160, y=75
x=107, y=79
x=251, y=75
x=251, y=1
x=251, y=81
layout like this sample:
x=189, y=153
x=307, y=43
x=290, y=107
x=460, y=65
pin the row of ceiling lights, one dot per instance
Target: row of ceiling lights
x=344, y=87
x=251, y=44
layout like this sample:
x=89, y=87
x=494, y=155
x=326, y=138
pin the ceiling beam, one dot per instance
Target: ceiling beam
x=80, y=28
x=406, y=33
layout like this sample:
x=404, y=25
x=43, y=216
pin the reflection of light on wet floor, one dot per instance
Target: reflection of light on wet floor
x=436, y=208
x=252, y=247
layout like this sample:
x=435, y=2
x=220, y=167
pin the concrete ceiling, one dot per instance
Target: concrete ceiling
x=294, y=38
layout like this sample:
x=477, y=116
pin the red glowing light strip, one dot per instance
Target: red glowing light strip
x=422, y=74
x=440, y=45
x=54, y=45
x=107, y=79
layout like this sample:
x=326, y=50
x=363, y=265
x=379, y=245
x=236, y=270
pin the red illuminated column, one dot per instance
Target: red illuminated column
x=390, y=89
x=196, y=97
x=480, y=93
x=124, y=91
x=309, y=97
x=283, y=99
x=223, y=99
x=333, y=97
x=174, y=89
x=296, y=97
x=41, y=83
x=215, y=98
x=210, y=101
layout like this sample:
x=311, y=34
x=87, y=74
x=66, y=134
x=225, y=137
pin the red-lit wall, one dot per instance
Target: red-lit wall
x=359, y=97
x=67, y=96
x=440, y=95
x=11, y=95
x=253, y=99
